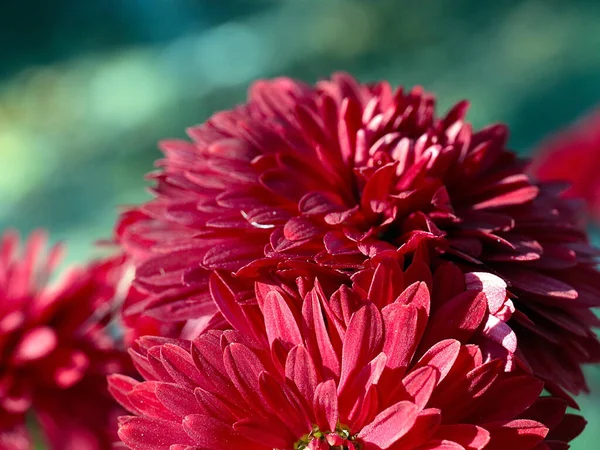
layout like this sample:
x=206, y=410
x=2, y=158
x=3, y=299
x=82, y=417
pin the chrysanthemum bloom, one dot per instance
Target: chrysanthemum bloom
x=325, y=178
x=573, y=155
x=395, y=371
x=55, y=351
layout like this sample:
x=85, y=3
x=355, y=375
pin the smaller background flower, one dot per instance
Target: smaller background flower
x=573, y=155
x=55, y=349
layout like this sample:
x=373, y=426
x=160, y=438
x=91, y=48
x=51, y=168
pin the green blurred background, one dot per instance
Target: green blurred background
x=88, y=88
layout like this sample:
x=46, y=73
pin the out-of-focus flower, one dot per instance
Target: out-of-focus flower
x=55, y=349
x=322, y=179
x=573, y=156
x=375, y=366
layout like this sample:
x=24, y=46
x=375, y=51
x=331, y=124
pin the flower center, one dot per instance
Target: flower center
x=340, y=439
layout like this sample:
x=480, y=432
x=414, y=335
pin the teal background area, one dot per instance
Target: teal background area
x=87, y=88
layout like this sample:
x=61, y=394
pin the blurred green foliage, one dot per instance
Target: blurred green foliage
x=88, y=88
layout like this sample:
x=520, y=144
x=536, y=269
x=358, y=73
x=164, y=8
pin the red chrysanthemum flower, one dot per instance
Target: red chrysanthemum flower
x=375, y=366
x=55, y=351
x=573, y=155
x=325, y=178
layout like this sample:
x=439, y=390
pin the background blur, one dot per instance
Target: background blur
x=87, y=88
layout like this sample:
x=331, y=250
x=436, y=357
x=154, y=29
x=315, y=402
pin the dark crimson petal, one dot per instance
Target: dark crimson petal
x=516, y=434
x=471, y=437
x=538, y=284
x=467, y=310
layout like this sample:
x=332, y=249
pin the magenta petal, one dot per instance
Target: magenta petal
x=244, y=368
x=420, y=383
x=143, y=398
x=441, y=356
x=254, y=429
x=141, y=433
x=467, y=311
x=326, y=405
x=300, y=369
x=390, y=425
x=312, y=313
x=362, y=341
x=119, y=386
x=400, y=339
x=542, y=285
x=180, y=365
x=179, y=400
x=279, y=320
x=36, y=344
x=511, y=198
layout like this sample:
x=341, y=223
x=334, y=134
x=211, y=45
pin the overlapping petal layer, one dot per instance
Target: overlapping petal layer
x=399, y=360
x=323, y=179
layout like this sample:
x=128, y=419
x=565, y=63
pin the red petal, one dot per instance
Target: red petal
x=390, y=425
x=441, y=356
x=262, y=433
x=362, y=341
x=457, y=319
x=539, y=284
x=319, y=341
x=568, y=429
x=143, y=398
x=141, y=433
x=325, y=404
x=280, y=323
x=471, y=437
x=517, y=434
x=119, y=386
x=177, y=399
x=300, y=369
x=510, y=397
x=511, y=198
x=234, y=254
x=180, y=366
x=400, y=334
x=244, y=368
x=420, y=383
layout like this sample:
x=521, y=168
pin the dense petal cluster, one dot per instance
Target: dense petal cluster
x=389, y=362
x=573, y=155
x=473, y=307
x=324, y=179
x=55, y=351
